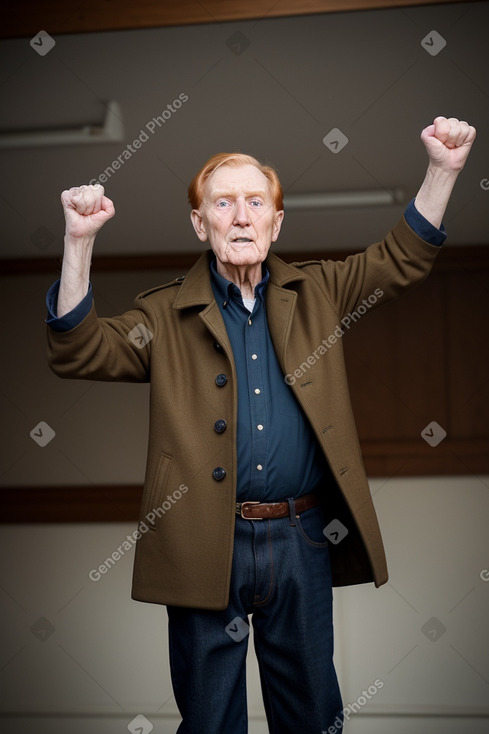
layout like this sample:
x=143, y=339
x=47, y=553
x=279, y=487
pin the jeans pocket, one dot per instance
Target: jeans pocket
x=311, y=525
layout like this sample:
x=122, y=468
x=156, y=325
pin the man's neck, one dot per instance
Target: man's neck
x=244, y=277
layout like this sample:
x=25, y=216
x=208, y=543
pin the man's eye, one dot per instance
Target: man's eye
x=255, y=202
x=222, y=204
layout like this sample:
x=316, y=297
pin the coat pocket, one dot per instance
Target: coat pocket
x=155, y=491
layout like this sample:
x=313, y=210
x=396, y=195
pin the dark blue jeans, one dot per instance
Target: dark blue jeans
x=281, y=576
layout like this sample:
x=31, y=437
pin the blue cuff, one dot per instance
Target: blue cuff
x=72, y=318
x=423, y=228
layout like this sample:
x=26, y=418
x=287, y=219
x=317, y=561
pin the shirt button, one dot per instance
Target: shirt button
x=259, y=467
x=219, y=473
x=257, y=391
x=218, y=347
x=254, y=356
x=260, y=427
x=220, y=425
x=249, y=322
x=221, y=380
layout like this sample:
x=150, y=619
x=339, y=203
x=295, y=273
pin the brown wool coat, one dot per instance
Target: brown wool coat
x=183, y=556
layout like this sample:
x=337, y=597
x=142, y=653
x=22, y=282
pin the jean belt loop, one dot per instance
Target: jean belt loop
x=292, y=513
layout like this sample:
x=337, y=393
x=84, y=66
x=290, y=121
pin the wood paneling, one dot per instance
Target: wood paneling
x=467, y=329
x=421, y=359
x=393, y=362
x=104, y=503
x=27, y=18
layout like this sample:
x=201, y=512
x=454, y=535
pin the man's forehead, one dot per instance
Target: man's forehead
x=229, y=179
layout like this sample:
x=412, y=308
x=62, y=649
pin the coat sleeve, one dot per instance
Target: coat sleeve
x=382, y=272
x=116, y=348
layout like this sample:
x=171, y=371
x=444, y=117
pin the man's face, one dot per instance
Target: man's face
x=237, y=215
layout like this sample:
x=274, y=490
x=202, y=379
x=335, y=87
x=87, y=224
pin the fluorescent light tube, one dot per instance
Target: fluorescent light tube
x=332, y=199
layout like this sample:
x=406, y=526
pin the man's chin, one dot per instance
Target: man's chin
x=244, y=255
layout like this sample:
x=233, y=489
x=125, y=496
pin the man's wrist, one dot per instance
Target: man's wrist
x=72, y=318
x=433, y=196
x=78, y=249
x=423, y=227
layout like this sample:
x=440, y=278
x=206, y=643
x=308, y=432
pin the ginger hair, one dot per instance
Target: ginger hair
x=197, y=185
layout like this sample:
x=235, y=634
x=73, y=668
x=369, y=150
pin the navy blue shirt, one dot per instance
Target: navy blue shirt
x=278, y=454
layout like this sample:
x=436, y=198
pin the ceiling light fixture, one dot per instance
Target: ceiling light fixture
x=111, y=131
x=340, y=199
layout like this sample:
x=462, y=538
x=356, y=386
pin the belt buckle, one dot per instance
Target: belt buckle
x=249, y=502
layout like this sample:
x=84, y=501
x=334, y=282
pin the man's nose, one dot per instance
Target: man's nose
x=241, y=215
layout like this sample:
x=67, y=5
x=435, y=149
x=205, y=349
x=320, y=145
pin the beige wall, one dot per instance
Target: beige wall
x=106, y=659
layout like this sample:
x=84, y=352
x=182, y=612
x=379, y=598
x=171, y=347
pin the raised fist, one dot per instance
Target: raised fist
x=448, y=142
x=86, y=210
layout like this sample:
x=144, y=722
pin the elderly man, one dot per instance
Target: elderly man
x=248, y=464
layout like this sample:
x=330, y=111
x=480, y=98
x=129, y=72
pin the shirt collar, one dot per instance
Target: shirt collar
x=224, y=289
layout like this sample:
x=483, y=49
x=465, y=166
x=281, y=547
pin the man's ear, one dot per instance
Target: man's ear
x=277, y=224
x=198, y=223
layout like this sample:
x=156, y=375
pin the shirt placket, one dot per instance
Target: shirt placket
x=255, y=352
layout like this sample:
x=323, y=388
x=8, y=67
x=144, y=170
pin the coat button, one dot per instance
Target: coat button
x=218, y=347
x=219, y=473
x=220, y=425
x=221, y=380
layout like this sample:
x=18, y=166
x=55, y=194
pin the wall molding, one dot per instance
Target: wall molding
x=26, y=18
x=452, y=257
x=121, y=503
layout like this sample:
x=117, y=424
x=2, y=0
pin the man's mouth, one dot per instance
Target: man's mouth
x=241, y=239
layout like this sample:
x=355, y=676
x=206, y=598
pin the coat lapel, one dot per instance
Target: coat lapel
x=281, y=303
x=280, y=310
x=196, y=290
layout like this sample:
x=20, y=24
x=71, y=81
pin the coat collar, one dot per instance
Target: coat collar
x=196, y=289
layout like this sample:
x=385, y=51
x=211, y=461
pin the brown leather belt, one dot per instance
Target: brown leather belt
x=268, y=510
